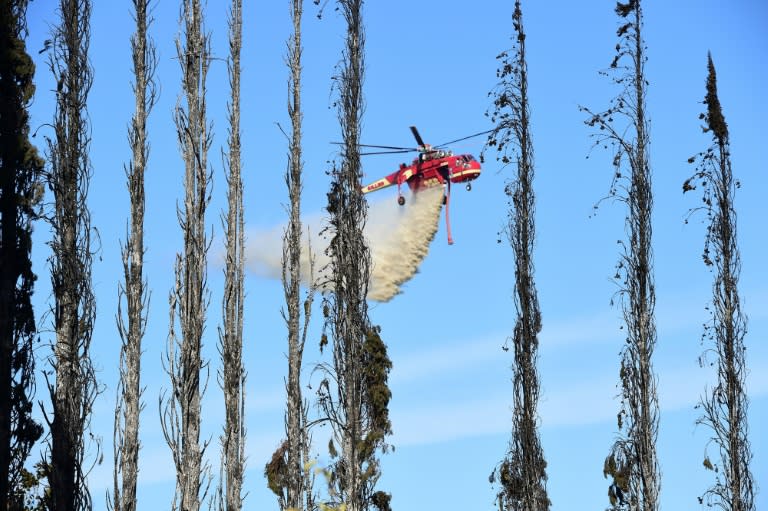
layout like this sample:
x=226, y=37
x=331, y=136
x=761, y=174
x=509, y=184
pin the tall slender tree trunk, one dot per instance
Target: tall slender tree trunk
x=231, y=335
x=74, y=390
x=299, y=486
x=359, y=411
x=20, y=169
x=181, y=414
x=522, y=472
x=632, y=463
x=351, y=259
x=640, y=391
x=725, y=406
x=133, y=290
x=288, y=474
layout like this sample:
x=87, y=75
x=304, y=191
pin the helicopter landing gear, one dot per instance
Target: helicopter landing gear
x=401, y=200
x=469, y=187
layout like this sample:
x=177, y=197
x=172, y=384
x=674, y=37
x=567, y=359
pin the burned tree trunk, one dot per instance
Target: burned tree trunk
x=20, y=190
x=725, y=406
x=287, y=473
x=74, y=391
x=296, y=492
x=522, y=473
x=359, y=412
x=632, y=463
x=132, y=326
x=231, y=335
x=189, y=299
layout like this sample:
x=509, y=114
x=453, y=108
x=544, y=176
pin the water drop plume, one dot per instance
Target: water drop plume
x=398, y=237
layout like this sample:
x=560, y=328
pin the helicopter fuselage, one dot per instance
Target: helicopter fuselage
x=431, y=168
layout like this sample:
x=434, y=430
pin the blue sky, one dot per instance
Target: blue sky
x=431, y=64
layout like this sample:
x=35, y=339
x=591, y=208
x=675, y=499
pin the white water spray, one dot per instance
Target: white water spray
x=398, y=238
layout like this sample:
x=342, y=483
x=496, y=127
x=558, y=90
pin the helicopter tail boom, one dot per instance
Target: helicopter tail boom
x=399, y=177
x=378, y=185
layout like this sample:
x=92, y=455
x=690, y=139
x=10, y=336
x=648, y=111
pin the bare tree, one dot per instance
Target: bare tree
x=181, y=410
x=231, y=335
x=359, y=412
x=522, y=472
x=632, y=462
x=287, y=472
x=20, y=192
x=132, y=325
x=724, y=408
x=74, y=390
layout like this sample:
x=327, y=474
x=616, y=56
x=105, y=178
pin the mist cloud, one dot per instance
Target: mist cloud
x=398, y=237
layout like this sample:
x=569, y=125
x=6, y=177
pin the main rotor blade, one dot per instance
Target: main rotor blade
x=388, y=152
x=464, y=138
x=381, y=146
x=417, y=136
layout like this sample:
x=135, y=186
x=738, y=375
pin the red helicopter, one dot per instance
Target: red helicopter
x=435, y=166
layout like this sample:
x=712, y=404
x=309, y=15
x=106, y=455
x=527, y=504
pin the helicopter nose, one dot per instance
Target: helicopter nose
x=472, y=166
x=467, y=172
